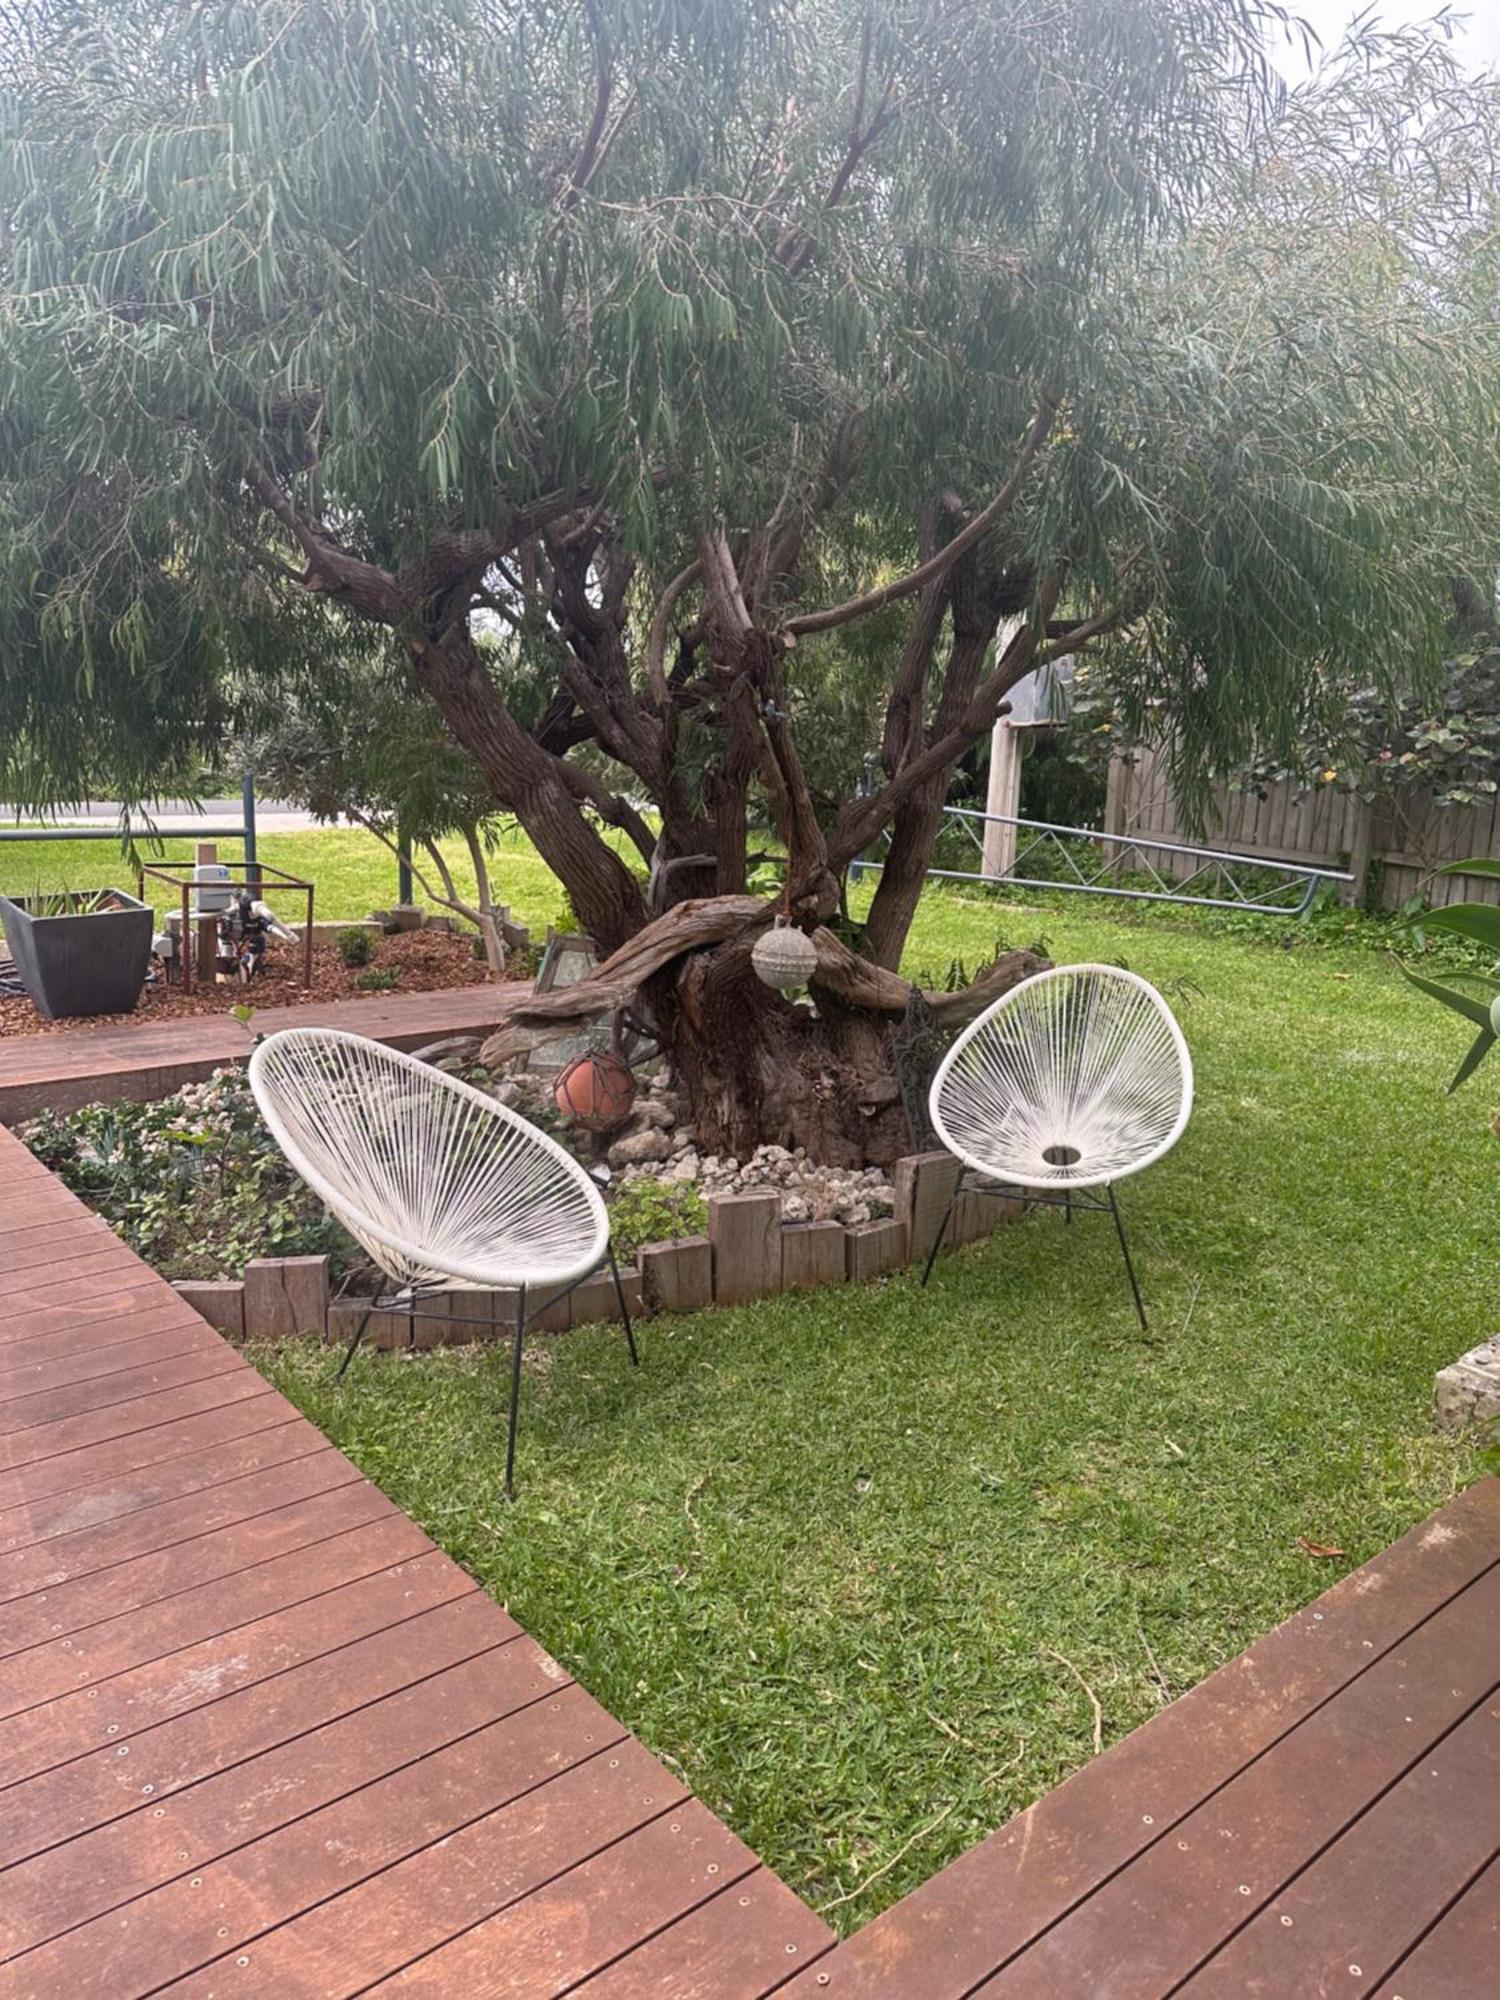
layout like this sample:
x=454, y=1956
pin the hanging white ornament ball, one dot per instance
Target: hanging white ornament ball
x=784, y=957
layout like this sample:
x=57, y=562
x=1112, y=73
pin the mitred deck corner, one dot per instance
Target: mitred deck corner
x=258, y=1736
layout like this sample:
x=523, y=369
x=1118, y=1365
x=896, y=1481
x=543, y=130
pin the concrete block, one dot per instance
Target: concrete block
x=812, y=1253
x=677, y=1277
x=1468, y=1390
x=221, y=1302
x=745, y=1231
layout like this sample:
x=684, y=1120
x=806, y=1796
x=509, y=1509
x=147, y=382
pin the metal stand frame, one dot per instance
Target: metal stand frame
x=404, y=1302
x=1067, y=1199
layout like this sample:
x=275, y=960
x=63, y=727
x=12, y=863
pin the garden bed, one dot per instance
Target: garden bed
x=425, y=961
x=195, y=1184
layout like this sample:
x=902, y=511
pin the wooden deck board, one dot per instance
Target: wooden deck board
x=1357, y=1910
x=145, y=1059
x=154, y=1555
x=174, y=1478
x=50, y=1735
x=1024, y=1901
x=1167, y=1914
x=258, y=1734
x=1442, y=1965
x=41, y=1370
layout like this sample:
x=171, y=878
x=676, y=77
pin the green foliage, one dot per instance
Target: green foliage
x=1372, y=739
x=355, y=945
x=648, y=1210
x=195, y=1183
x=563, y=919
x=1476, y=924
x=378, y=979
x=369, y=746
x=280, y=281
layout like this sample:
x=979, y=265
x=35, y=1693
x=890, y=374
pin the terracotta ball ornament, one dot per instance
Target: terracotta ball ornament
x=596, y=1091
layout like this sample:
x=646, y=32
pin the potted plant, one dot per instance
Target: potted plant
x=83, y=952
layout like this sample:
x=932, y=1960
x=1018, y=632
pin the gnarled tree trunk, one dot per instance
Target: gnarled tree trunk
x=758, y=1068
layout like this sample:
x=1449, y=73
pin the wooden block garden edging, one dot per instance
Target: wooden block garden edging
x=745, y=1231
x=748, y=1253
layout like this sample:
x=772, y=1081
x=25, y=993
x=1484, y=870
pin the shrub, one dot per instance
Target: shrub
x=653, y=1211
x=355, y=945
x=379, y=979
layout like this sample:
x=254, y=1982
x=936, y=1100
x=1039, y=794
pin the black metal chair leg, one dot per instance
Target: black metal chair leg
x=349, y=1350
x=515, y=1397
x=635, y=1359
x=1135, y=1290
x=937, y=1241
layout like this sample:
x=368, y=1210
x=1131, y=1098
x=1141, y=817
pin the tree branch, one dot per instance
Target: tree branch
x=656, y=639
x=723, y=582
x=588, y=152
x=863, y=818
x=331, y=570
x=964, y=540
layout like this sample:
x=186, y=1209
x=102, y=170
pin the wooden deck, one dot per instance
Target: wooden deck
x=259, y=1737
x=1321, y=1817
x=149, y=1059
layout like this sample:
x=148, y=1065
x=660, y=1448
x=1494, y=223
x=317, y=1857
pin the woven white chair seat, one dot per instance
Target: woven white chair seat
x=1074, y=1079
x=435, y=1179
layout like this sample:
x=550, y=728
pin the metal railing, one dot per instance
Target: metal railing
x=1085, y=860
x=150, y=835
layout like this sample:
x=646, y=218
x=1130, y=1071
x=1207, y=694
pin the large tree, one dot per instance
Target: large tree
x=696, y=347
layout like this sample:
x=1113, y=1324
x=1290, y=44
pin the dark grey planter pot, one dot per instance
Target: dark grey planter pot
x=85, y=962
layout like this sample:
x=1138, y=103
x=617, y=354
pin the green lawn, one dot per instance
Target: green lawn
x=842, y=1560
x=350, y=870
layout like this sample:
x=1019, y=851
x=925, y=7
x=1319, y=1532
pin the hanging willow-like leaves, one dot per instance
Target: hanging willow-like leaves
x=319, y=318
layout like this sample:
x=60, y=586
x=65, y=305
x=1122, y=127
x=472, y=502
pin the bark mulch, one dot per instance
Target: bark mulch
x=425, y=962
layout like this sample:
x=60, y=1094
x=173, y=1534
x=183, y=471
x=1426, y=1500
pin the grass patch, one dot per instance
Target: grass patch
x=823, y=1553
x=350, y=870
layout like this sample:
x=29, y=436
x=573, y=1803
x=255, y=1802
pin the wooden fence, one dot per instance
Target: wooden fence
x=1390, y=846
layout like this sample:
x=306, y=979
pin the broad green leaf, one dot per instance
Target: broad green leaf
x=1479, y=921
x=1477, y=1011
x=1479, y=1048
x=1478, y=864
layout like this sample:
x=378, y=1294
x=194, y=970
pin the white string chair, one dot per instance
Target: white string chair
x=439, y=1182
x=1072, y=1081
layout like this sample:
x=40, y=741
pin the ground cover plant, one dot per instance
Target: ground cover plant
x=860, y=1564
x=194, y=1183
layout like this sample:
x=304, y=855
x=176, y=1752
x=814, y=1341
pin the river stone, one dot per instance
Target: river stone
x=640, y=1147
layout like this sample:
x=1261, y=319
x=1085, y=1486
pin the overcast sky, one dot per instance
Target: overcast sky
x=1477, y=39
